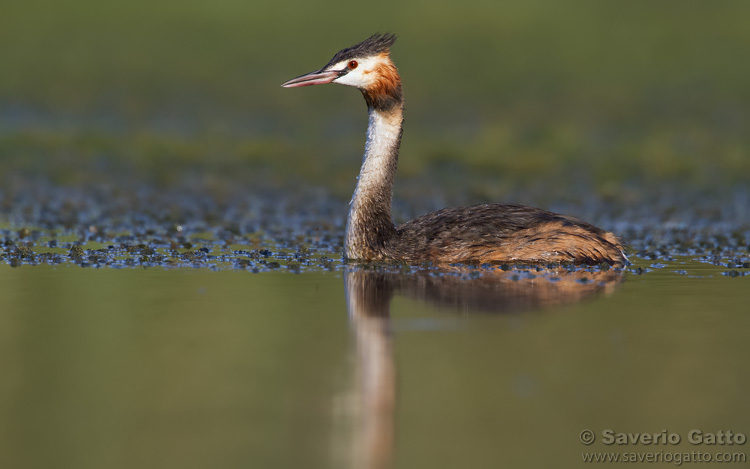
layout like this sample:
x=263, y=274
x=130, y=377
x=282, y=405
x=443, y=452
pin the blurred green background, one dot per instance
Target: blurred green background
x=599, y=95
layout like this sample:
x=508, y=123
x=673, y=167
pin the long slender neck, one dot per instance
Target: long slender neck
x=369, y=224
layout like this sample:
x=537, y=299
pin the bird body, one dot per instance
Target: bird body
x=482, y=233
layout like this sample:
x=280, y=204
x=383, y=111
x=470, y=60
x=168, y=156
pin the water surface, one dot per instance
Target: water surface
x=186, y=367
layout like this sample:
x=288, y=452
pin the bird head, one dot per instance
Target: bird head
x=366, y=65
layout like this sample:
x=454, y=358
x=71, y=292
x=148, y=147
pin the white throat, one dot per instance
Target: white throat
x=370, y=207
x=383, y=133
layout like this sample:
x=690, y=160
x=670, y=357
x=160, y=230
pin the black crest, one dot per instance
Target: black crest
x=373, y=45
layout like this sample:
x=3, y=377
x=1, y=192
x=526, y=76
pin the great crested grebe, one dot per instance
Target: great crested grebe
x=502, y=233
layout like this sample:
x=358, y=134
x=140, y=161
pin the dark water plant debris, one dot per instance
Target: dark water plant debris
x=297, y=231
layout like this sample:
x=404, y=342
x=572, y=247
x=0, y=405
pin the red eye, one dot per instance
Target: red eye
x=352, y=64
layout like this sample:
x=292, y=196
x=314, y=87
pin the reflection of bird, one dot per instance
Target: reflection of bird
x=471, y=290
x=482, y=233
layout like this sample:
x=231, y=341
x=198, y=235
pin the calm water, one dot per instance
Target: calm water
x=353, y=367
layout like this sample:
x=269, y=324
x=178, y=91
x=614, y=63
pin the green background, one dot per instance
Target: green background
x=609, y=96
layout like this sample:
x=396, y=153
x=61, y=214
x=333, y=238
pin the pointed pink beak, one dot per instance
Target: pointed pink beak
x=313, y=78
